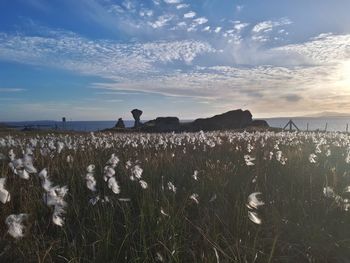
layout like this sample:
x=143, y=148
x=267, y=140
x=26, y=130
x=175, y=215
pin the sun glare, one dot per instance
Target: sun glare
x=345, y=74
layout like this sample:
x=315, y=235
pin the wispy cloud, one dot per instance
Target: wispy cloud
x=190, y=14
x=11, y=90
x=173, y=1
x=266, y=26
x=110, y=58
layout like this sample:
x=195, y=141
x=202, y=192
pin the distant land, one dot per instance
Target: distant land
x=327, y=114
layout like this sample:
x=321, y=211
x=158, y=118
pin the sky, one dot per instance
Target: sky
x=99, y=59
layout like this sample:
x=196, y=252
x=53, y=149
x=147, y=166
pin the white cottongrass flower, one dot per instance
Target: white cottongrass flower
x=90, y=182
x=113, y=185
x=90, y=179
x=329, y=192
x=109, y=172
x=195, y=175
x=137, y=171
x=4, y=194
x=254, y=202
x=60, y=146
x=163, y=212
x=249, y=160
x=159, y=257
x=254, y=217
x=312, y=158
x=11, y=155
x=347, y=159
x=69, y=159
x=57, y=216
x=194, y=197
x=90, y=168
x=22, y=166
x=328, y=153
x=15, y=225
x=347, y=189
x=143, y=184
x=45, y=181
x=280, y=157
x=28, y=164
x=113, y=161
x=171, y=187
x=54, y=196
x=128, y=164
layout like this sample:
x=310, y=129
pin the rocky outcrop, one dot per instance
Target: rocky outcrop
x=136, y=113
x=235, y=119
x=259, y=123
x=120, y=124
x=162, y=124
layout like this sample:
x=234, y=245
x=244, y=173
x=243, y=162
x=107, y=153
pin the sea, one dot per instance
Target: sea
x=303, y=123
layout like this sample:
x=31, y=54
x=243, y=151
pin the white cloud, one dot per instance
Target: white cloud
x=173, y=1
x=267, y=26
x=181, y=6
x=207, y=28
x=200, y=20
x=146, y=12
x=161, y=21
x=325, y=48
x=238, y=26
x=109, y=58
x=190, y=14
x=217, y=30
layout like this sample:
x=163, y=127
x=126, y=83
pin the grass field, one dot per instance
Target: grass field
x=197, y=197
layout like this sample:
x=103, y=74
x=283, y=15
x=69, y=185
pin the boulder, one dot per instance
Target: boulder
x=235, y=119
x=120, y=124
x=162, y=124
x=165, y=124
x=136, y=113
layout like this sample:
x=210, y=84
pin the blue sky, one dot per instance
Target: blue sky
x=98, y=59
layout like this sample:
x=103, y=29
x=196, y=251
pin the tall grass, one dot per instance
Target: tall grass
x=299, y=223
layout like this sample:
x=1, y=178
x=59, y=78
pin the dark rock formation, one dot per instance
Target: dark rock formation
x=136, y=114
x=120, y=124
x=235, y=119
x=162, y=124
x=259, y=123
x=230, y=120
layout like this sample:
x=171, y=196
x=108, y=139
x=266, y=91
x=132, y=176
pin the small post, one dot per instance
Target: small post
x=307, y=127
x=347, y=127
x=325, y=128
x=64, y=123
